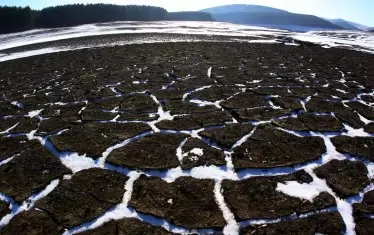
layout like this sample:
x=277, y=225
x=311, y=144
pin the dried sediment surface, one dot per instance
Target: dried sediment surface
x=187, y=137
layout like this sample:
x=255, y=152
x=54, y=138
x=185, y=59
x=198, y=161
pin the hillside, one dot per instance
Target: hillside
x=344, y=24
x=267, y=16
x=189, y=16
x=354, y=24
x=242, y=8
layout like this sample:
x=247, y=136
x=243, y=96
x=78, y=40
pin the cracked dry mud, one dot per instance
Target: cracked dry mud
x=188, y=138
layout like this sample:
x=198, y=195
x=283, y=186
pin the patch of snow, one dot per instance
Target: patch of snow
x=76, y=162
x=352, y=132
x=197, y=151
x=209, y=72
x=203, y=103
x=304, y=191
x=254, y=81
x=35, y=113
x=17, y=104
x=364, y=120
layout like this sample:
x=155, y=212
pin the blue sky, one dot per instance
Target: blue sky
x=360, y=11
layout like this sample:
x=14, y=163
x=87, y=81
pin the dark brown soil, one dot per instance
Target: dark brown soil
x=329, y=224
x=346, y=178
x=196, y=121
x=211, y=156
x=307, y=122
x=258, y=198
x=259, y=114
x=30, y=172
x=139, y=103
x=93, y=99
x=182, y=107
x=286, y=102
x=87, y=195
x=33, y=222
x=359, y=146
x=94, y=138
x=55, y=124
x=369, y=128
x=25, y=125
x=350, y=118
x=96, y=115
x=186, y=202
x=4, y=209
x=228, y=135
x=151, y=152
x=269, y=147
x=321, y=105
x=12, y=146
x=365, y=226
x=364, y=110
x=127, y=226
x=366, y=207
x=245, y=100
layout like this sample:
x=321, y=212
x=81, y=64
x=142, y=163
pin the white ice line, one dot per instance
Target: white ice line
x=193, y=91
x=244, y=139
x=291, y=217
x=364, y=120
x=230, y=165
x=232, y=227
x=120, y=211
x=349, y=131
x=304, y=102
x=27, y=204
x=106, y=153
x=129, y=187
x=6, y=161
x=179, y=152
x=9, y=129
x=209, y=73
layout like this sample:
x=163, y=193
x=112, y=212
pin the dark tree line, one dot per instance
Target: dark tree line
x=190, y=16
x=71, y=15
x=15, y=19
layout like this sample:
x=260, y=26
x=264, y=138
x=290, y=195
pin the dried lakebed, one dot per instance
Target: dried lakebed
x=188, y=138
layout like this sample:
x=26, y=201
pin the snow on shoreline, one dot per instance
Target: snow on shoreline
x=361, y=41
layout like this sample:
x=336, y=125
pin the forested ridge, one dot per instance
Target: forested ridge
x=15, y=19
x=190, y=15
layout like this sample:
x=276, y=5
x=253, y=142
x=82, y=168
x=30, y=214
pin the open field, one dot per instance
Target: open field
x=205, y=134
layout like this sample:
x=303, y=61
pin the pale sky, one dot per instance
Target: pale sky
x=360, y=11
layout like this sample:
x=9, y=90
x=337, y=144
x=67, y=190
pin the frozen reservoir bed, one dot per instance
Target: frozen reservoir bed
x=186, y=128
